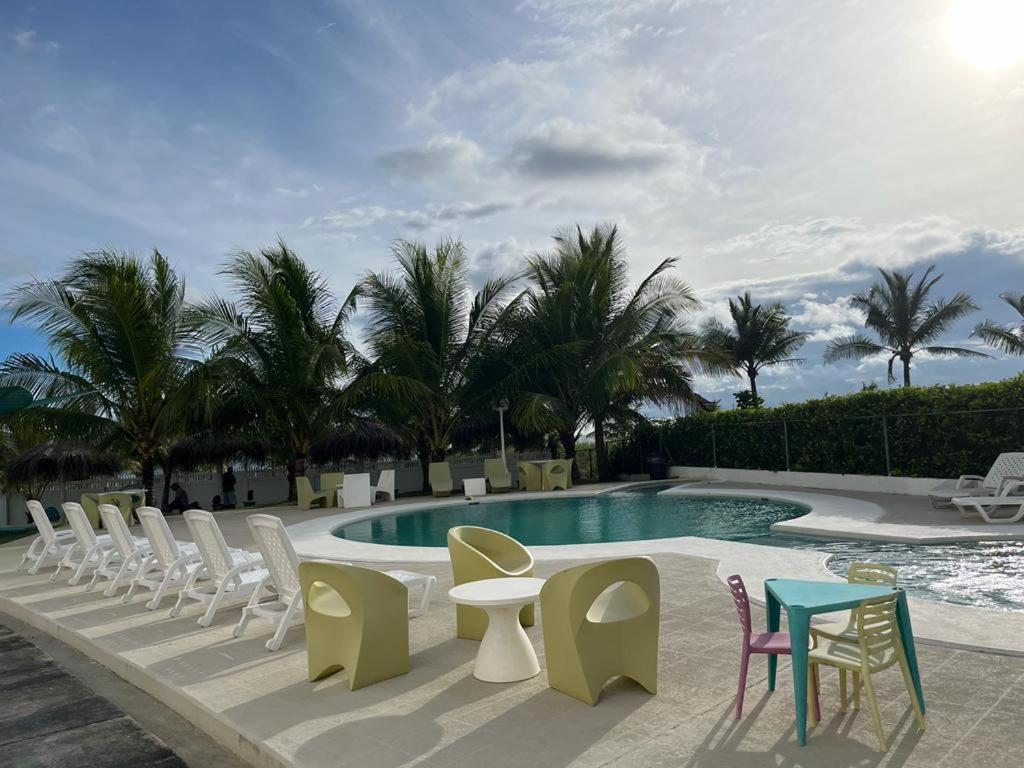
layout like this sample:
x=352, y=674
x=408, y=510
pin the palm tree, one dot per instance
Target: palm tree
x=597, y=349
x=759, y=337
x=429, y=344
x=1006, y=339
x=279, y=353
x=904, y=320
x=124, y=369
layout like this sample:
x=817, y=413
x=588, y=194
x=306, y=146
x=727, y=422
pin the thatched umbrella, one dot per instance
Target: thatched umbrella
x=208, y=449
x=60, y=462
x=366, y=439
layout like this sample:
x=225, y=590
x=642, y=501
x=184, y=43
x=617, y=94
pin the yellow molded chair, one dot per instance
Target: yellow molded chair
x=91, y=504
x=480, y=553
x=530, y=476
x=440, y=475
x=558, y=474
x=601, y=620
x=497, y=475
x=308, y=497
x=329, y=482
x=357, y=619
x=123, y=501
x=859, y=573
x=878, y=647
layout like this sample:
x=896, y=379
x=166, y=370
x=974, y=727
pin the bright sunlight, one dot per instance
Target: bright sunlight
x=987, y=34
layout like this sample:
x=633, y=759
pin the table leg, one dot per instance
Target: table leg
x=799, y=631
x=772, y=607
x=907, y=638
x=506, y=654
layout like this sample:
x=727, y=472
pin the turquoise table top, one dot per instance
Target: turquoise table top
x=822, y=596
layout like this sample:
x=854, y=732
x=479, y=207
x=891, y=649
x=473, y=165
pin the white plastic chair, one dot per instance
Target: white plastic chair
x=281, y=579
x=49, y=546
x=356, y=492
x=385, y=484
x=120, y=563
x=980, y=506
x=170, y=562
x=230, y=573
x=88, y=550
x=1006, y=466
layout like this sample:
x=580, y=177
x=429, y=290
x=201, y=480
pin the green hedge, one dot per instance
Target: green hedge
x=941, y=431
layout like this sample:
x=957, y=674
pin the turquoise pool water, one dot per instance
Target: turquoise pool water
x=983, y=574
x=629, y=515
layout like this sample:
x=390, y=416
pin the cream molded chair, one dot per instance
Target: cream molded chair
x=385, y=484
x=90, y=502
x=357, y=620
x=859, y=573
x=877, y=648
x=530, y=476
x=557, y=474
x=440, y=476
x=307, y=497
x=357, y=491
x=497, y=475
x=601, y=620
x=120, y=499
x=480, y=553
x=329, y=482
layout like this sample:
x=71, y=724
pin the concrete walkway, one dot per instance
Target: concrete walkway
x=260, y=705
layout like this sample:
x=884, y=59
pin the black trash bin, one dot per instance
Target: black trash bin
x=656, y=467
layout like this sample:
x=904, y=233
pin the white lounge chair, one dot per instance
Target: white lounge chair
x=1006, y=466
x=357, y=491
x=88, y=550
x=49, y=546
x=987, y=507
x=120, y=563
x=281, y=579
x=385, y=484
x=228, y=573
x=170, y=562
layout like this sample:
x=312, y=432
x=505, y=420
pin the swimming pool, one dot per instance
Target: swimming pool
x=631, y=514
x=981, y=574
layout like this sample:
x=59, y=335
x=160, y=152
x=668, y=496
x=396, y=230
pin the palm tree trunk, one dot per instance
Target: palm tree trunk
x=292, y=492
x=165, y=494
x=753, y=387
x=147, y=477
x=906, y=371
x=601, y=449
x=423, y=455
x=568, y=441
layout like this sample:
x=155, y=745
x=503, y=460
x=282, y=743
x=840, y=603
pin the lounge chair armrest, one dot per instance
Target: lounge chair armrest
x=969, y=481
x=989, y=501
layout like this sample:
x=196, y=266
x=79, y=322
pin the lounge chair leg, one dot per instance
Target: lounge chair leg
x=274, y=643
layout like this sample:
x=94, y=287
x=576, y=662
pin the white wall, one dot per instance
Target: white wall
x=914, y=486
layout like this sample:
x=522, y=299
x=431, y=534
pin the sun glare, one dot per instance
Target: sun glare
x=988, y=34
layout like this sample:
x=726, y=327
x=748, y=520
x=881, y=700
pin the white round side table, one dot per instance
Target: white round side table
x=506, y=654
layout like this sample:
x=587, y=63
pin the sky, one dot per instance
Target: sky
x=787, y=147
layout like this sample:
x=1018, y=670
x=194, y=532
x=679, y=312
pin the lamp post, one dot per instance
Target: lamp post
x=501, y=408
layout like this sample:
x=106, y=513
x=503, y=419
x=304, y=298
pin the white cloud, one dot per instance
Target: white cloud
x=27, y=39
x=442, y=155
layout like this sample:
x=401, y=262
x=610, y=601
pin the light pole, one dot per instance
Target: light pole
x=501, y=408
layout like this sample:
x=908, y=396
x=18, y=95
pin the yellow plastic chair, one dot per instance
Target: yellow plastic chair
x=480, y=553
x=91, y=504
x=601, y=620
x=530, y=476
x=497, y=475
x=357, y=620
x=329, y=482
x=308, y=497
x=558, y=474
x=878, y=647
x=123, y=501
x=440, y=475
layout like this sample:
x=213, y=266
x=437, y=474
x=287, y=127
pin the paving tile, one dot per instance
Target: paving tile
x=112, y=743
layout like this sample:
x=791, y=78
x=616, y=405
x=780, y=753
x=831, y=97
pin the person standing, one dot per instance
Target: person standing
x=227, y=486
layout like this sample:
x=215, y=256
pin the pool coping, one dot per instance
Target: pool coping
x=939, y=623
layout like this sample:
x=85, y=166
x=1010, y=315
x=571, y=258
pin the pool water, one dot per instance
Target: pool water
x=631, y=514
x=980, y=574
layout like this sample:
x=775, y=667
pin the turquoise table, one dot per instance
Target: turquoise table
x=804, y=599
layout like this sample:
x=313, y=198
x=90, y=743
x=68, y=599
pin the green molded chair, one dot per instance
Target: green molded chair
x=357, y=619
x=440, y=475
x=558, y=474
x=497, y=475
x=124, y=502
x=480, y=553
x=308, y=497
x=530, y=476
x=329, y=482
x=91, y=504
x=878, y=647
x=601, y=620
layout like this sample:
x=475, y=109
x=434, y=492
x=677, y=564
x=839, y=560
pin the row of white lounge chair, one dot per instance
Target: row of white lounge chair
x=205, y=570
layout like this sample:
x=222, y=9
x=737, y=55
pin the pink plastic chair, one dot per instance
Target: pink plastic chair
x=760, y=642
